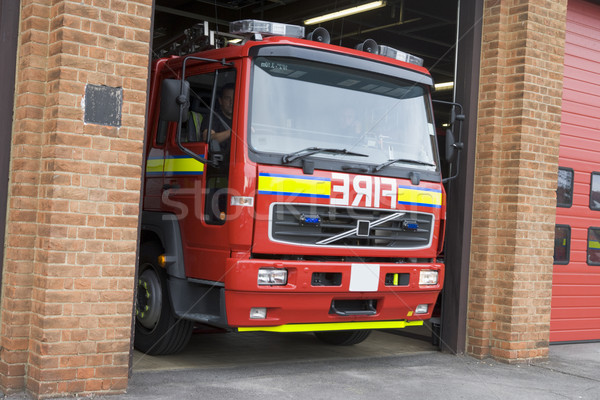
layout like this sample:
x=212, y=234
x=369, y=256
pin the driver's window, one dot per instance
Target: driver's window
x=191, y=130
x=199, y=107
x=215, y=127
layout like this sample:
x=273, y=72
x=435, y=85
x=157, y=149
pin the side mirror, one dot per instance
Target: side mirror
x=174, y=95
x=452, y=146
x=455, y=117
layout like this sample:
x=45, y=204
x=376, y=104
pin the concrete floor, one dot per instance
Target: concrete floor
x=217, y=350
x=313, y=371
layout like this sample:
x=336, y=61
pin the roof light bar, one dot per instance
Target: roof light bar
x=248, y=27
x=400, y=55
x=344, y=13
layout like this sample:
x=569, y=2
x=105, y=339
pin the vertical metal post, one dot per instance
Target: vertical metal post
x=460, y=191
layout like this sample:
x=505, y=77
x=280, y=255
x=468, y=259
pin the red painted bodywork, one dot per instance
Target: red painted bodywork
x=223, y=253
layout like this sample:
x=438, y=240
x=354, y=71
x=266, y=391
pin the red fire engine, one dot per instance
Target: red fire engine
x=291, y=185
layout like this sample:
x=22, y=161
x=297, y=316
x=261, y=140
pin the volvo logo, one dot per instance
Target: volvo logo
x=362, y=228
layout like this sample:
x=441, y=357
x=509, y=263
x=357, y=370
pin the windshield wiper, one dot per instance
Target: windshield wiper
x=309, y=151
x=403, y=160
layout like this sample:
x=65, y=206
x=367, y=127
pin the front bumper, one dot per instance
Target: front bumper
x=301, y=301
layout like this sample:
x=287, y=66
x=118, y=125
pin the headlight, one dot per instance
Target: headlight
x=272, y=276
x=428, y=277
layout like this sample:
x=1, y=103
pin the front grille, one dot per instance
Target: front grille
x=317, y=225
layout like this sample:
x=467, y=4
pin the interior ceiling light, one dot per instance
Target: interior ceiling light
x=444, y=86
x=344, y=13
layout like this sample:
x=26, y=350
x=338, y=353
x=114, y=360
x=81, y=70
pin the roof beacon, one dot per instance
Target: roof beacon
x=400, y=55
x=249, y=27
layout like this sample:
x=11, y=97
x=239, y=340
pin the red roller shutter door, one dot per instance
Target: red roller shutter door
x=576, y=284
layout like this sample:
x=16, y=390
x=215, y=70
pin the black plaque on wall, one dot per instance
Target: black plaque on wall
x=103, y=105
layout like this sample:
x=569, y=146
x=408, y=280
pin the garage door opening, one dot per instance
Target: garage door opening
x=426, y=31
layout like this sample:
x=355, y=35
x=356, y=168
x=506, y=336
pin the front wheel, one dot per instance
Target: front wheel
x=343, y=338
x=157, y=329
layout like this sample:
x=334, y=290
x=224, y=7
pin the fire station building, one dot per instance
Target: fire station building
x=523, y=229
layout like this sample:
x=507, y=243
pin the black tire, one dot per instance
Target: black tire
x=343, y=338
x=157, y=330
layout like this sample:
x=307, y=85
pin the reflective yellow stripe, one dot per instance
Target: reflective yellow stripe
x=339, y=326
x=294, y=185
x=183, y=165
x=155, y=165
x=174, y=166
x=410, y=195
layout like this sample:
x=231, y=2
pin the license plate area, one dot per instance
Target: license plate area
x=364, y=277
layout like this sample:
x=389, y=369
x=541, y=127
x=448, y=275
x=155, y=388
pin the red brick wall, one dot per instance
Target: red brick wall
x=73, y=198
x=515, y=179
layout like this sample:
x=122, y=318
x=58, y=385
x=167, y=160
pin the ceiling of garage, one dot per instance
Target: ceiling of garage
x=425, y=28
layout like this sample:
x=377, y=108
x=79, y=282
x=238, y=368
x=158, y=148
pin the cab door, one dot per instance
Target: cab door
x=197, y=192
x=155, y=167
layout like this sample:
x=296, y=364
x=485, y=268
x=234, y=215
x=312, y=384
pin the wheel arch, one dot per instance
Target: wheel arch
x=164, y=229
x=190, y=300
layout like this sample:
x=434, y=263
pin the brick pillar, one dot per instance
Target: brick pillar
x=510, y=282
x=67, y=288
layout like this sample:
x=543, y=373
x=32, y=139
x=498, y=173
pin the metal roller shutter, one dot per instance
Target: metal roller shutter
x=575, y=312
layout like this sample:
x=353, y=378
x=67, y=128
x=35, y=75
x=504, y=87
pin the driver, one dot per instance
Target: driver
x=222, y=120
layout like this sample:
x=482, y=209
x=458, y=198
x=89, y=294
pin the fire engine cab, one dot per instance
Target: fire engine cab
x=291, y=186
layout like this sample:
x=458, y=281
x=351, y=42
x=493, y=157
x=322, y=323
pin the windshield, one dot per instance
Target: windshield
x=298, y=104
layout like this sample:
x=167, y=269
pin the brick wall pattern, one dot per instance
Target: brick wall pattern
x=510, y=280
x=74, y=196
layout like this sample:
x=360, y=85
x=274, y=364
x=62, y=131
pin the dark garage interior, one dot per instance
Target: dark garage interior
x=426, y=29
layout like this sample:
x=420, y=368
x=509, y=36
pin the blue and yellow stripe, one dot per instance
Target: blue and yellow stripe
x=423, y=197
x=294, y=185
x=320, y=187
